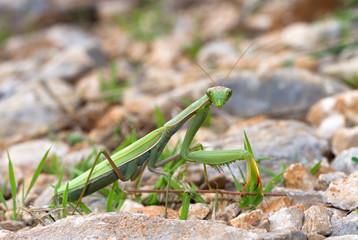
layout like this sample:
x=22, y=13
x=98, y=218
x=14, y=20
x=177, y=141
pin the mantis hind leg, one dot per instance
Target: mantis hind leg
x=118, y=173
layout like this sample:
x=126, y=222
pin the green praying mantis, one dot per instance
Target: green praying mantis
x=130, y=162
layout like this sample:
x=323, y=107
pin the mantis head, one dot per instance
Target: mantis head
x=219, y=95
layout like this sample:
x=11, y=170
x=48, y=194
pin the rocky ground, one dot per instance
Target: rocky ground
x=73, y=72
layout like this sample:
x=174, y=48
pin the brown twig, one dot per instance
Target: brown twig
x=204, y=191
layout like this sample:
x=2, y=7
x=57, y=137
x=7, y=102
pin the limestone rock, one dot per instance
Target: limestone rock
x=343, y=193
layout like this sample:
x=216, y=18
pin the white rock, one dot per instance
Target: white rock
x=26, y=156
x=343, y=193
x=286, y=219
x=343, y=162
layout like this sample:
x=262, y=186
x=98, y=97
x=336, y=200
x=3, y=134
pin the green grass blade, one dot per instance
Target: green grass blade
x=121, y=196
x=315, y=168
x=237, y=183
x=175, y=185
x=82, y=206
x=59, y=181
x=268, y=172
x=241, y=173
x=13, y=186
x=159, y=117
x=185, y=207
x=2, y=199
x=110, y=199
x=23, y=192
x=215, y=206
x=270, y=184
x=298, y=159
x=264, y=159
x=37, y=172
x=64, y=201
x=57, y=186
x=197, y=196
x=247, y=144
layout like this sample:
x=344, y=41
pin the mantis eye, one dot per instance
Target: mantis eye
x=228, y=92
x=209, y=93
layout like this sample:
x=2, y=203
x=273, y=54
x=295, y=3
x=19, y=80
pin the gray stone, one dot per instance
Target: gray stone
x=344, y=139
x=12, y=225
x=221, y=53
x=315, y=236
x=80, y=52
x=139, y=226
x=344, y=237
x=330, y=114
x=283, y=140
x=45, y=54
x=285, y=92
x=345, y=70
x=130, y=204
x=301, y=197
x=345, y=226
x=26, y=156
x=35, y=108
x=307, y=36
x=197, y=211
x=343, y=161
x=343, y=193
x=286, y=219
x=325, y=179
x=317, y=220
x=25, y=14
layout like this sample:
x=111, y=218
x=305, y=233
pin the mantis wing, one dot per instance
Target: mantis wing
x=120, y=158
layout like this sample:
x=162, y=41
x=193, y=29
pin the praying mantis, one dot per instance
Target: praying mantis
x=130, y=162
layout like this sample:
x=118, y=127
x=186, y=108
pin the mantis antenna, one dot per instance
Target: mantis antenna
x=238, y=60
x=197, y=64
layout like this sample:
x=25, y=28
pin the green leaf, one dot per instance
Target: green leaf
x=268, y=172
x=237, y=183
x=13, y=186
x=298, y=159
x=215, y=206
x=2, y=199
x=185, y=207
x=270, y=184
x=247, y=144
x=159, y=117
x=37, y=172
x=57, y=186
x=121, y=196
x=82, y=206
x=23, y=192
x=175, y=185
x=110, y=199
x=315, y=168
x=355, y=159
x=264, y=159
x=241, y=173
x=64, y=201
x=197, y=196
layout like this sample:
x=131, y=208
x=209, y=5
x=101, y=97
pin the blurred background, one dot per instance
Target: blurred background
x=78, y=72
